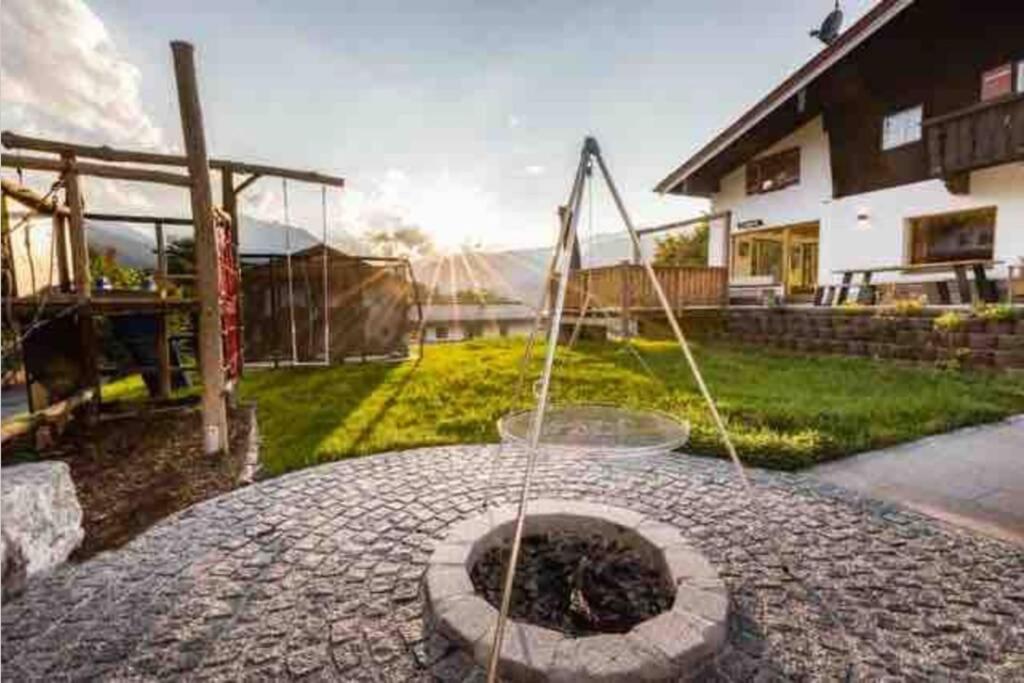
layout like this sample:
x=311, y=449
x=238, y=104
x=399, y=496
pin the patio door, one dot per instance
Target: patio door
x=803, y=267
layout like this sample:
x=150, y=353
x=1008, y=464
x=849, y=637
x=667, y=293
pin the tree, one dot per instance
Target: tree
x=406, y=240
x=105, y=265
x=683, y=249
x=181, y=256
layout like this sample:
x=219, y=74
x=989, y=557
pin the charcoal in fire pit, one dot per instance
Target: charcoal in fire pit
x=615, y=586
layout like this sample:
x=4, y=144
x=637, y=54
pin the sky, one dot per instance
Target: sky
x=462, y=118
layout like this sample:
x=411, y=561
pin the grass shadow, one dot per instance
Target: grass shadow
x=372, y=424
x=299, y=408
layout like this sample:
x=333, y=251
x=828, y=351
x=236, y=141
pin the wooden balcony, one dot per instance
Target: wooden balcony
x=627, y=288
x=982, y=135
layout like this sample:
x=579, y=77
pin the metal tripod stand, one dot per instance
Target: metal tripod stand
x=590, y=156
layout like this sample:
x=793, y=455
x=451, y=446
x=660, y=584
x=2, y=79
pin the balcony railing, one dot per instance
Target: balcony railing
x=627, y=287
x=982, y=135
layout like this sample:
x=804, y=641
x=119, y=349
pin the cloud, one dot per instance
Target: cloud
x=64, y=76
x=534, y=169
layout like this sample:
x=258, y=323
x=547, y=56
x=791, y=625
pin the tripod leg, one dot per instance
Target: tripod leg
x=579, y=321
x=565, y=218
x=537, y=423
x=673, y=322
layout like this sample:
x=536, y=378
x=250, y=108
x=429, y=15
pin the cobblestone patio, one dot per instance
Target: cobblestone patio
x=319, y=574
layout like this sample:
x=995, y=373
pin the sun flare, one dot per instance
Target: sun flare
x=455, y=214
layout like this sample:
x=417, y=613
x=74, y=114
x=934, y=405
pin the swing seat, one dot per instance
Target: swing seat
x=594, y=426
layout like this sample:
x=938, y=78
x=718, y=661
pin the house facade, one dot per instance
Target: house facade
x=458, y=322
x=899, y=148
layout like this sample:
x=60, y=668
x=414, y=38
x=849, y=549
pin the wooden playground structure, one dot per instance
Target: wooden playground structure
x=59, y=319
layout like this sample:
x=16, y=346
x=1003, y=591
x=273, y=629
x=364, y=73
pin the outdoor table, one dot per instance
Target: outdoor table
x=986, y=288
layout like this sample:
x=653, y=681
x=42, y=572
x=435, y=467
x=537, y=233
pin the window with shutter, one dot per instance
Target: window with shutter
x=773, y=172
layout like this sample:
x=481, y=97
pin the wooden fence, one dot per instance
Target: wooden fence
x=627, y=287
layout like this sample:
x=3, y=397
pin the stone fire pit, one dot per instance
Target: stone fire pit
x=673, y=604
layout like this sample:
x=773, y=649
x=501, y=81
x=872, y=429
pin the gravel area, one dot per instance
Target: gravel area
x=319, y=573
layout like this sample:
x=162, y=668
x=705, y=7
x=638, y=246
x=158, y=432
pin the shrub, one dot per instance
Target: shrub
x=949, y=321
x=994, y=312
x=852, y=307
x=903, y=307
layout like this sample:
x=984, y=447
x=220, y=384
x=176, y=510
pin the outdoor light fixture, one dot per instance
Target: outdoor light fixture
x=863, y=219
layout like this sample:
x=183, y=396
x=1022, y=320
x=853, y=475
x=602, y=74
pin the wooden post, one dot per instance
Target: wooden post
x=786, y=265
x=80, y=262
x=163, y=356
x=10, y=281
x=211, y=352
x=163, y=348
x=626, y=272
x=229, y=202
x=59, y=232
x=161, y=259
x=76, y=228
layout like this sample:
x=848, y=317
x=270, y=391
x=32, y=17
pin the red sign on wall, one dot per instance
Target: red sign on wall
x=997, y=82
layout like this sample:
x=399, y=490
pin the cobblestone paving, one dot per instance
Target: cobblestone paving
x=319, y=574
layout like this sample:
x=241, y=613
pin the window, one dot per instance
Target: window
x=773, y=172
x=441, y=332
x=902, y=127
x=767, y=258
x=960, y=236
x=1020, y=76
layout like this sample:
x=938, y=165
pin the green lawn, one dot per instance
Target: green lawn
x=784, y=411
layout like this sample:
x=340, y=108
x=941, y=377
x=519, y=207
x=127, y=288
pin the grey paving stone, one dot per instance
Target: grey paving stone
x=824, y=584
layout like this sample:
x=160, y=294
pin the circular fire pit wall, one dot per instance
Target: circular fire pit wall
x=600, y=593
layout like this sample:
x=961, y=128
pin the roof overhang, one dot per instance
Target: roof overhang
x=865, y=27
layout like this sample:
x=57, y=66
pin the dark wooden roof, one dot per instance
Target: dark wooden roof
x=723, y=153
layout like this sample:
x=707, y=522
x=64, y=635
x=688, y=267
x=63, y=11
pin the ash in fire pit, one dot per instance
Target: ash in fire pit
x=577, y=584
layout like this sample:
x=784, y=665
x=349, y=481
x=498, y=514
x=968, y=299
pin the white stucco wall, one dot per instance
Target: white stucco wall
x=882, y=239
x=793, y=204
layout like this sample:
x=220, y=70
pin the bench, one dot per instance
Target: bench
x=754, y=289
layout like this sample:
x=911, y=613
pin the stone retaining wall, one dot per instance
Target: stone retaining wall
x=976, y=343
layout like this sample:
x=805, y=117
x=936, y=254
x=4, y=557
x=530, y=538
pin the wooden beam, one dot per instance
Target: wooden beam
x=130, y=218
x=30, y=198
x=958, y=183
x=14, y=141
x=58, y=415
x=99, y=170
x=211, y=352
x=278, y=172
x=246, y=183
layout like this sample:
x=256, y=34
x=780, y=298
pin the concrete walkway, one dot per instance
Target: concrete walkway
x=972, y=477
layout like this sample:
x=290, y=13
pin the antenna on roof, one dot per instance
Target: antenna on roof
x=829, y=30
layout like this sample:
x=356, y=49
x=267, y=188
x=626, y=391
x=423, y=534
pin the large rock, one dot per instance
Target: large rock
x=41, y=520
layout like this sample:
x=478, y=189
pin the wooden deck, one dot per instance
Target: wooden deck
x=627, y=287
x=100, y=304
